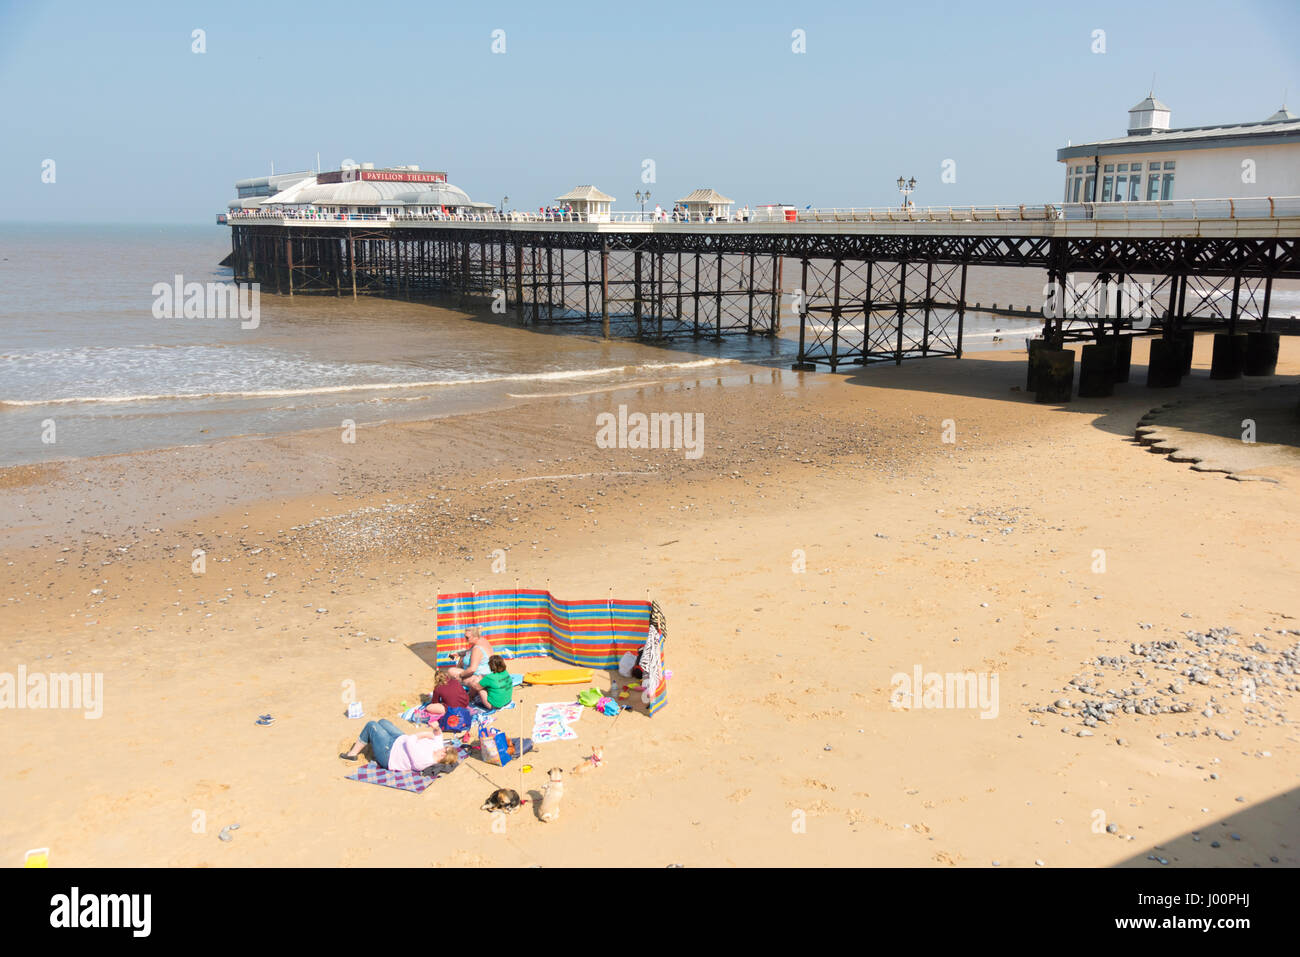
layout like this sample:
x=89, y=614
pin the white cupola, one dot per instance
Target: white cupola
x=1149, y=116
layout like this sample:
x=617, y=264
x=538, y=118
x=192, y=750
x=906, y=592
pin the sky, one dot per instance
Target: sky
x=142, y=128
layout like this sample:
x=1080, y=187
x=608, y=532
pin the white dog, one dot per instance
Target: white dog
x=551, y=795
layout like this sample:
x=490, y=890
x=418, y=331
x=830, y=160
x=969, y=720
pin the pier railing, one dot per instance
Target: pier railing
x=1263, y=207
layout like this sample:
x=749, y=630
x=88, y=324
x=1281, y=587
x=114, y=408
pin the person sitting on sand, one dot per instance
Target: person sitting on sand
x=401, y=752
x=496, y=686
x=448, y=692
x=474, y=661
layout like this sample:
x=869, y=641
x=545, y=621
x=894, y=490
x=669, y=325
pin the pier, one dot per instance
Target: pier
x=867, y=285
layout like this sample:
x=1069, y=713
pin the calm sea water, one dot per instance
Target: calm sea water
x=81, y=350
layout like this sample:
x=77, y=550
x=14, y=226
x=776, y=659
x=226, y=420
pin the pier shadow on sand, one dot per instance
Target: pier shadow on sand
x=1266, y=830
x=1004, y=380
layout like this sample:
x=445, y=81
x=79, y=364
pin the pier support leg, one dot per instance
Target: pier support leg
x=902, y=312
x=835, y=318
x=802, y=364
x=1097, y=369
x=1031, y=379
x=604, y=287
x=636, y=293
x=1165, y=366
x=961, y=309
x=1188, y=338
x=1055, y=375
x=1261, y=353
x=1123, y=357
x=775, y=326
x=1229, y=356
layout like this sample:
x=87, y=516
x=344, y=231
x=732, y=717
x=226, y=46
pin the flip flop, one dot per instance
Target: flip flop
x=348, y=757
x=265, y=721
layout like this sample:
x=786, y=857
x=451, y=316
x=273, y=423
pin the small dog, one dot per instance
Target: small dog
x=591, y=761
x=504, y=800
x=551, y=794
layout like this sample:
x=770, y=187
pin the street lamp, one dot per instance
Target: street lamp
x=906, y=187
x=642, y=199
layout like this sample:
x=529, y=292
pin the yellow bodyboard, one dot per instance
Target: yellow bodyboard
x=559, y=676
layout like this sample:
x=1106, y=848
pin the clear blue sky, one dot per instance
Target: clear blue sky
x=143, y=129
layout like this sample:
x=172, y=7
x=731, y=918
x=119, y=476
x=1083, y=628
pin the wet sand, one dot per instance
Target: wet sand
x=827, y=540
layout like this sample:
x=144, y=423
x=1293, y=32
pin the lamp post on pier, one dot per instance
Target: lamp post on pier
x=504, y=200
x=906, y=187
x=642, y=198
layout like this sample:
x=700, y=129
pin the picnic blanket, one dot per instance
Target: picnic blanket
x=477, y=712
x=552, y=721
x=413, y=781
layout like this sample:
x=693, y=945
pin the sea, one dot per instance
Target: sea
x=88, y=367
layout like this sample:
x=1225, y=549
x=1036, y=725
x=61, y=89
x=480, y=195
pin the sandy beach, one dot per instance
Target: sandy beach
x=827, y=540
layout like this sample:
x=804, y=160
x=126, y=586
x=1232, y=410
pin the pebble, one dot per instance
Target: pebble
x=1112, y=828
x=1085, y=733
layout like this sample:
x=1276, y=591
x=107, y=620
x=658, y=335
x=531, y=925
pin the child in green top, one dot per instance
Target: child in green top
x=496, y=686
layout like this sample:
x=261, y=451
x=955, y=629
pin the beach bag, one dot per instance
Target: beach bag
x=494, y=747
x=589, y=697
x=455, y=720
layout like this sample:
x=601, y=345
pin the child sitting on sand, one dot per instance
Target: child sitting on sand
x=448, y=692
x=496, y=686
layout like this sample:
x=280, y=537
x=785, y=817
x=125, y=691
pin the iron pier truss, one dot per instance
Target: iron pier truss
x=860, y=294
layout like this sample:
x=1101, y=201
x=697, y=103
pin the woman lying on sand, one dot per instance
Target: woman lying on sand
x=401, y=752
x=474, y=662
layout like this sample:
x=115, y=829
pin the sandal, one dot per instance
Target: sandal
x=348, y=757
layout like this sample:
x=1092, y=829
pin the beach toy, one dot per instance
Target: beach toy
x=37, y=858
x=526, y=768
x=559, y=676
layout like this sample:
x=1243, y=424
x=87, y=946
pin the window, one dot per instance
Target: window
x=1153, y=187
x=1106, y=185
x=1110, y=167
x=1121, y=188
x=1167, y=186
x=1078, y=184
x=1090, y=188
x=1123, y=168
x=1168, y=165
x=1137, y=167
x=1134, y=188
